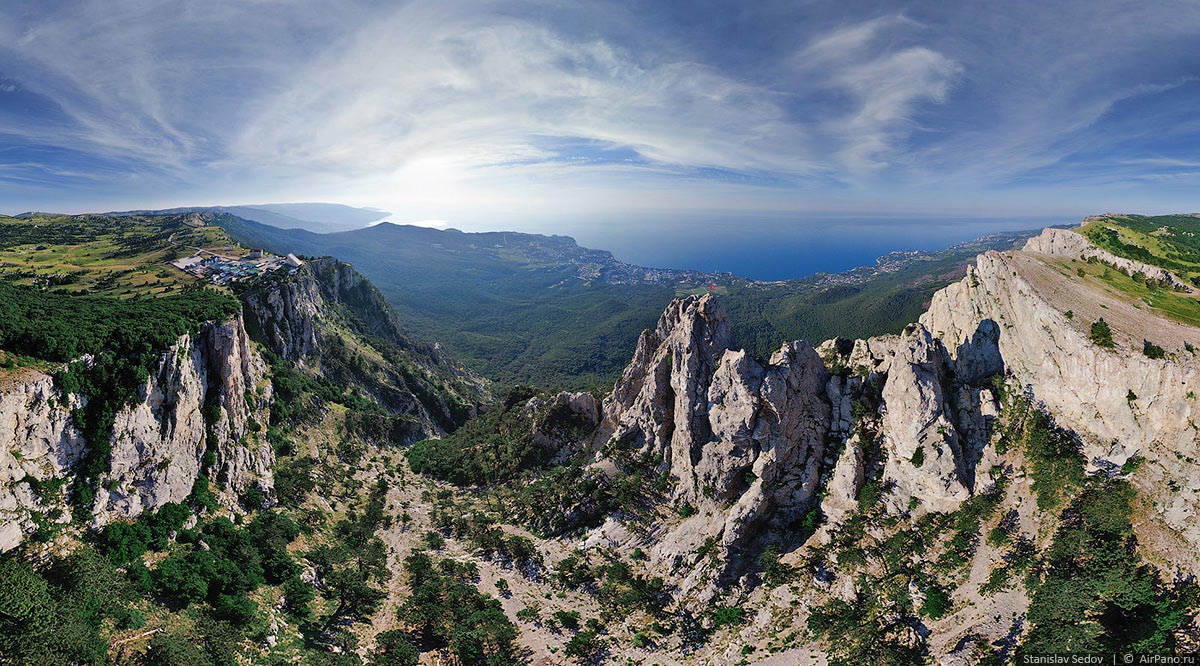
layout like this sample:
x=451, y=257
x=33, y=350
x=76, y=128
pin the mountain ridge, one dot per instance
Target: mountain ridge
x=514, y=306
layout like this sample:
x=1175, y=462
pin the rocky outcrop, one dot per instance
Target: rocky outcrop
x=1065, y=243
x=924, y=452
x=743, y=441
x=873, y=355
x=746, y=442
x=563, y=425
x=158, y=443
x=1119, y=401
x=38, y=444
x=841, y=490
x=287, y=317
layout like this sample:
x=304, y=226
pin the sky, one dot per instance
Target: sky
x=479, y=113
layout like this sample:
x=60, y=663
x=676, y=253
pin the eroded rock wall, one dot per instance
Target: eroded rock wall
x=158, y=443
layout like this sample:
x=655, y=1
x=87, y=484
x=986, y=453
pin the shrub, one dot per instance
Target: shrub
x=918, y=457
x=997, y=536
x=393, y=648
x=434, y=541
x=775, y=573
x=583, y=645
x=253, y=498
x=936, y=604
x=1151, y=350
x=1101, y=334
x=293, y=480
x=726, y=616
x=451, y=613
x=298, y=595
x=568, y=619
x=529, y=613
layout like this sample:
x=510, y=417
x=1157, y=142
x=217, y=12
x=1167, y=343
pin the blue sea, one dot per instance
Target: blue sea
x=773, y=246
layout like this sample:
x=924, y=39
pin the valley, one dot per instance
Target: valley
x=522, y=308
x=279, y=470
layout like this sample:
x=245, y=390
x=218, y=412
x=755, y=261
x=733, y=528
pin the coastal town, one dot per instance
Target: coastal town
x=221, y=266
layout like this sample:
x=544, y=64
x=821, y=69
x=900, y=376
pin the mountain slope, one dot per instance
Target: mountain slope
x=127, y=382
x=1001, y=479
x=541, y=309
x=992, y=482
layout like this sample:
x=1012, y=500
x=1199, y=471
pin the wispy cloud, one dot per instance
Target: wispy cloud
x=597, y=104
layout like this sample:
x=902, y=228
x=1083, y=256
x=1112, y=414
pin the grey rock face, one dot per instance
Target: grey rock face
x=841, y=490
x=661, y=400
x=924, y=452
x=38, y=441
x=158, y=443
x=1084, y=386
x=1119, y=402
x=743, y=441
x=289, y=317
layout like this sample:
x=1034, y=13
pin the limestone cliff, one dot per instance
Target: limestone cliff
x=159, y=442
x=331, y=321
x=38, y=444
x=1119, y=401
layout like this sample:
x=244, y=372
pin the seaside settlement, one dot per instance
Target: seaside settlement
x=222, y=267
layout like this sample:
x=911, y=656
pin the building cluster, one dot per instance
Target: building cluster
x=223, y=269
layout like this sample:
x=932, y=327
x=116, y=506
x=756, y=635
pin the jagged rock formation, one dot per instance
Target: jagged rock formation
x=329, y=319
x=924, y=450
x=158, y=443
x=750, y=445
x=743, y=441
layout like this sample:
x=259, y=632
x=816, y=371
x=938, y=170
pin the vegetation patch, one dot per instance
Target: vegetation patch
x=1091, y=594
x=494, y=447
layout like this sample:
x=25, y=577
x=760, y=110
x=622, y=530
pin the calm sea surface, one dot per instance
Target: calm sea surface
x=772, y=247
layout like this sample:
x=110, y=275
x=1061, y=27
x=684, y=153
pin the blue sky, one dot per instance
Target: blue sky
x=479, y=112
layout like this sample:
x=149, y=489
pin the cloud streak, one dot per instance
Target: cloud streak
x=441, y=106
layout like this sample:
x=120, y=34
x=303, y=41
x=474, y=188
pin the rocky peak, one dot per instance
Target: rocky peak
x=743, y=441
x=661, y=399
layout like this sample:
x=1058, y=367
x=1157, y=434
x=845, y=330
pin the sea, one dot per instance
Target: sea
x=772, y=246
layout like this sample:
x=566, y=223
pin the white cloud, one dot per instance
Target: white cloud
x=469, y=93
x=506, y=106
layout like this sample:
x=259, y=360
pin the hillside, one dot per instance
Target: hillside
x=1004, y=478
x=314, y=217
x=540, y=309
x=287, y=477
